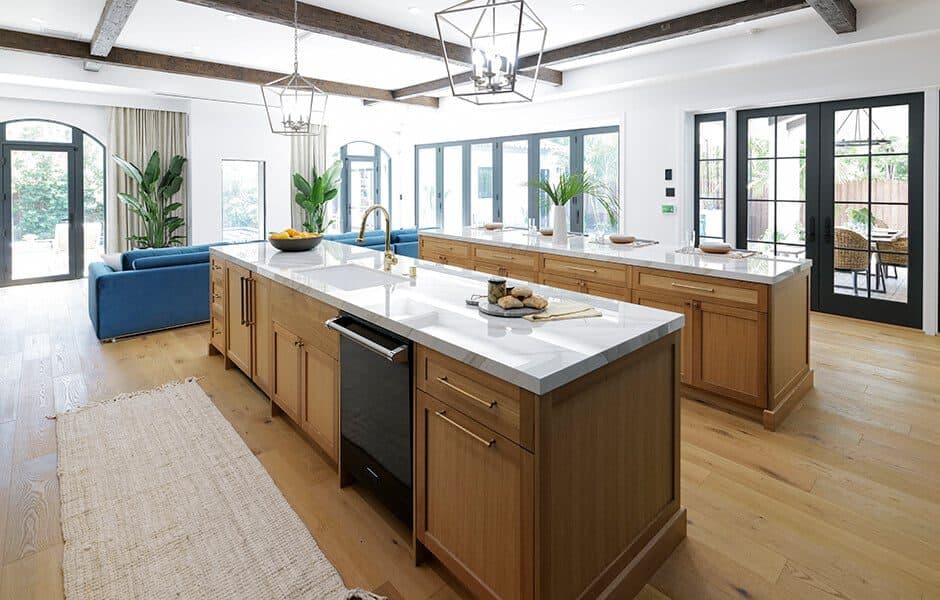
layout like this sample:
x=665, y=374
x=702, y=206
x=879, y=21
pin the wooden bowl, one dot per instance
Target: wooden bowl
x=493, y=226
x=547, y=232
x=715, y=247
x=296, y=244
x=622, y=239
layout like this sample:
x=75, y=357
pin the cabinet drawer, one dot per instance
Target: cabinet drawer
x=586, y=270
x=435, y=249
x=510, y=272
x=305, y=317
x=217, y=268
x=217, y=331
x=737, y=293
x=506, y=258
x=587, y=287
x=501, y=406
x=217, y=294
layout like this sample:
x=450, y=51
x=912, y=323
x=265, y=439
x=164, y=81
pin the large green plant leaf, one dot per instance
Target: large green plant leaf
x=302, y=185
x=171, y=188
x=129, y=169
x=152, y=172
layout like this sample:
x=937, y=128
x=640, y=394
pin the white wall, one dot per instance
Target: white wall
x=218, y=131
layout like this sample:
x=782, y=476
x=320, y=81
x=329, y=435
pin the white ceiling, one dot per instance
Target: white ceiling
x=177, y=28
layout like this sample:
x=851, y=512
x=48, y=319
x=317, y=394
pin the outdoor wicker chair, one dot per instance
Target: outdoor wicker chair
x=893, y=254
x=851, y=254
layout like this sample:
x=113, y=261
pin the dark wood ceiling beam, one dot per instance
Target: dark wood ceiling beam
x=335, y=24
x=110, y=24
x=706, y=20
x=41, y=44
x=840, y=15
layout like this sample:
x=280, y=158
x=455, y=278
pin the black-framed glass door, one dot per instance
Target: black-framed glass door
x=840, y=183
x=872, y=174
x=41, y=192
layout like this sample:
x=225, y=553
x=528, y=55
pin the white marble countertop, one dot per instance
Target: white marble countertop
x=431, y=310
x=756, y=269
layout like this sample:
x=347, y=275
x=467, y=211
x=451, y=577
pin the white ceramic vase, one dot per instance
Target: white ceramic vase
x=559, y=224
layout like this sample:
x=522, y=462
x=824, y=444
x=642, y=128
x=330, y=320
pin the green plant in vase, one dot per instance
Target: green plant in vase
x=152, y=203
x=314, y=196
x=569, y=187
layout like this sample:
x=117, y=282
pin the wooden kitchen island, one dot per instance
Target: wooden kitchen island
x=745, y=346
x=546, y=455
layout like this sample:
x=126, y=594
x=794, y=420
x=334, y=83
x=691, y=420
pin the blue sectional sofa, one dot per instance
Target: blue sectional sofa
x=169, y=287
x=404, y=241
x=155, y=289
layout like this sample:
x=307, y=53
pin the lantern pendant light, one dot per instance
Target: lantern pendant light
x=497, y=34
x=294, y=104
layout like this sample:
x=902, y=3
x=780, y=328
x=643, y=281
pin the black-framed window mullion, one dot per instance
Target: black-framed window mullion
x=699, y=162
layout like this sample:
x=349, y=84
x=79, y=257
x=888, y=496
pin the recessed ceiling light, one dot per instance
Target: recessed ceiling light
x=231, y=17
x=38, y=21
x=197, y=49
x=578, y=6
x=415, y=10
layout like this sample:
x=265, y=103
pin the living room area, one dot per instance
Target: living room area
x=295, y=304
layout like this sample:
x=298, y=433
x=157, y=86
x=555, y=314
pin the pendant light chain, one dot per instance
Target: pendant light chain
x=296, y=41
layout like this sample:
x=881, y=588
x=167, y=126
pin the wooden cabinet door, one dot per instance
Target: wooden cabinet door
x=730, y=350
x=238, y=342
x=475, y=503
x=286, y=363
x=682, y=306
x=261, y=332
x=320, y=392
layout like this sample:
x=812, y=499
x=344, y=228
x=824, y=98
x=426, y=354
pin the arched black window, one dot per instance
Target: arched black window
x=52, y=218
x=366, y=180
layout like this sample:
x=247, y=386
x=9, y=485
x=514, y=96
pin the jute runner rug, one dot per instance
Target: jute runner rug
x=162, y=499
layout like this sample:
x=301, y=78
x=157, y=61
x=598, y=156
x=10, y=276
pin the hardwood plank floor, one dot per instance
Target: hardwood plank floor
x=842, y=502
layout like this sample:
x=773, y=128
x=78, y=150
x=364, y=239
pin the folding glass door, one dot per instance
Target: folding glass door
x=840, y=183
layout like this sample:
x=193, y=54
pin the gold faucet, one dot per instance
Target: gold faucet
x=390, y=258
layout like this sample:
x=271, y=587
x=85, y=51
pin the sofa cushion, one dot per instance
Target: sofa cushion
x=113, y=260
x=404, y=238
x=128, y=258
x=170, y=260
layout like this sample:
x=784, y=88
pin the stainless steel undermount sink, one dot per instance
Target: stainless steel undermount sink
x=354, y=277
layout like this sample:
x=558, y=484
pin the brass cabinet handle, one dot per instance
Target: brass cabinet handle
x=216, y=332
x=251, y=301
x=244, y=301
x=216, y=267
x=686, y=286
x=466, y=393
x=443, y=415
x=585, y=269
x=216, y=296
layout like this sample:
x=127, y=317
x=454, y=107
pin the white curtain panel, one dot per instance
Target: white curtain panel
x=305, y=152
x=134, y=133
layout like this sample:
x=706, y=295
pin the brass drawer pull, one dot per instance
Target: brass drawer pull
x=465, y=392
x=585, y=269
x=216, y=296
x=686, y=286
x=443, y=415
x=216, y=267
x=216, y=332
